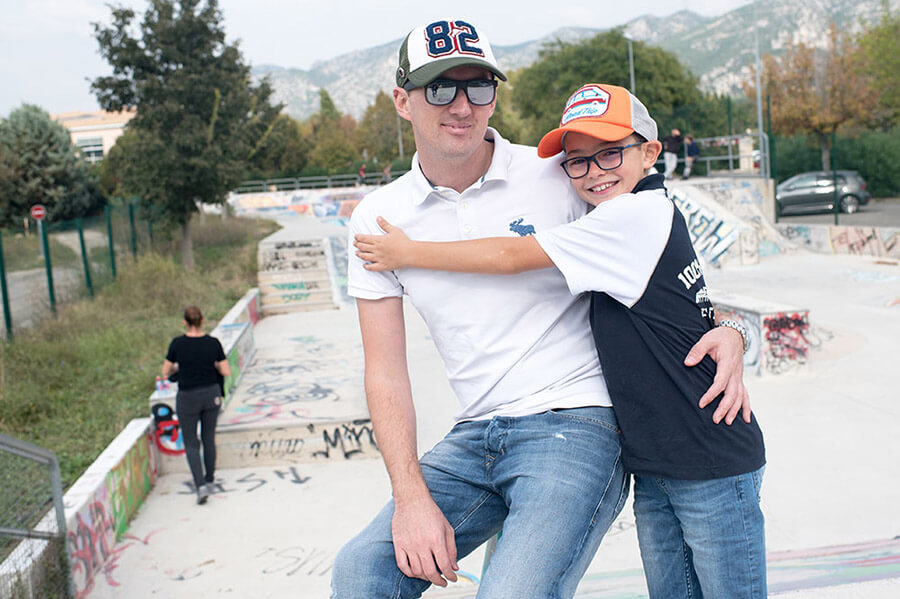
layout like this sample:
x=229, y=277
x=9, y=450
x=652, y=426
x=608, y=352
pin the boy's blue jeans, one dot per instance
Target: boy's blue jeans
x=702, y=538
x=553, y=481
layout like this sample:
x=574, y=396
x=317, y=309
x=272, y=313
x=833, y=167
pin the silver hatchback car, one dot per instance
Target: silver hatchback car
x=814, y=192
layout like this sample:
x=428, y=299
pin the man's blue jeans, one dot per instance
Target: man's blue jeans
x=702, y=538
x=553, y=481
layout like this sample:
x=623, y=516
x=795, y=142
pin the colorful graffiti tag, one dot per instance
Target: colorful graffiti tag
x=103, y=519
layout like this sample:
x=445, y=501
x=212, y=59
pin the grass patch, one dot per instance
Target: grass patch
x=21, y=252
x=71, y=383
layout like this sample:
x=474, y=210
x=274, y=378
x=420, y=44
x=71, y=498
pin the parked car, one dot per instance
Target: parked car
x=814, y=192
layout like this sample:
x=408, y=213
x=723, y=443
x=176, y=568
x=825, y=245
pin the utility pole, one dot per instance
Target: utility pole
x=763, y=165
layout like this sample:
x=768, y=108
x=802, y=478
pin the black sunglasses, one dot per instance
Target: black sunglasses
x=441, y=92
x=606, y=159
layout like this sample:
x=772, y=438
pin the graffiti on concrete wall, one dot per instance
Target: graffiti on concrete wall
x=286, y=384
x=857, y=241
x=321, y=203
x=96, y=527
x=311, y=442
x=339, y=266
x=711, y=235
x=787, y=345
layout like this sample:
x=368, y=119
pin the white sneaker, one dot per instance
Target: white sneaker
x=202, y=494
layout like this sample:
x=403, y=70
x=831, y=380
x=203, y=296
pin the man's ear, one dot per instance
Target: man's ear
x=651, y=151
x=401, y=103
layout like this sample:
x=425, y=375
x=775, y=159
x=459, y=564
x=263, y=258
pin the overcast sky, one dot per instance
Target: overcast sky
x=48, y=53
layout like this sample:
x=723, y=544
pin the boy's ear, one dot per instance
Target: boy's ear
x=651, y=151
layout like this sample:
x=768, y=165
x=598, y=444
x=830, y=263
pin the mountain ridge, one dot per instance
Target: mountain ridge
x=718, y=50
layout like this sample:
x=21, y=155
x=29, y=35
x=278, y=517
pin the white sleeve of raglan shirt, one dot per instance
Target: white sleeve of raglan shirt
x=362, y=283
x=615, y=248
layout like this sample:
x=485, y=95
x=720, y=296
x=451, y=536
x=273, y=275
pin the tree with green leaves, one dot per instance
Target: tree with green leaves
x=815, y=93
x=377, y=131
x=880, y=46
x=199, y=118
x=40, y=165
x=540, y=91
x=283, y=153
x=333, y=137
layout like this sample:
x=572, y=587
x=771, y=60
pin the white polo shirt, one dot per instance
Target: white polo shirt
x=513, y=345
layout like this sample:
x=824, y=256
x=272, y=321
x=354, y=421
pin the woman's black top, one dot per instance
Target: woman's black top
x=196, y=358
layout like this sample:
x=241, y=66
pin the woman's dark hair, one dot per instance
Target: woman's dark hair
x=193, y=316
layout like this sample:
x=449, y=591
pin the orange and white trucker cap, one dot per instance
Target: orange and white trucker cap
x=607, y=112
x=428, y=51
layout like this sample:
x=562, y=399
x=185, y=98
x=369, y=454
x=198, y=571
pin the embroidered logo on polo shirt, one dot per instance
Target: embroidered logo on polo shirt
x=523, y=230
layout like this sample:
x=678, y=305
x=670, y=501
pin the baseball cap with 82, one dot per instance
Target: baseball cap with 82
x=440, y=46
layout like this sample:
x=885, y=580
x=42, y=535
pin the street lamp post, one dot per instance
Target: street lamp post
x=631, y=65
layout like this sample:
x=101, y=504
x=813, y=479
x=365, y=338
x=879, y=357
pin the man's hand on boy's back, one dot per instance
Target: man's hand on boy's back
x=726, y=347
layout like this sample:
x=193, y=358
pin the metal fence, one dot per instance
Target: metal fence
x=33, y=559
x=41, y=266
x=315, y=182
x=727, y=155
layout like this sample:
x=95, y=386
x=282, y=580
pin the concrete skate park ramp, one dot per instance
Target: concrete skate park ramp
x=300, y=399
x=727, y=219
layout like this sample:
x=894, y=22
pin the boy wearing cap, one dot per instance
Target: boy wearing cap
x=536, y=446
x=696, y=483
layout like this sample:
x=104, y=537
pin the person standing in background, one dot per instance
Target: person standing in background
x=200, y=362
x=691, y=153
x=671, y=146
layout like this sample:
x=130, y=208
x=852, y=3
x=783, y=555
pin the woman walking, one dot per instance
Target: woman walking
x=200, y=362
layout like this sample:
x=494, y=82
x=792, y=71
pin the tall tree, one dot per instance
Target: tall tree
x=815, y=93
x=377, y=131
x=199, y=118
x=333, y=137
x=40, y=165
x=880, y=45
x=541, y=90
x=283, y=153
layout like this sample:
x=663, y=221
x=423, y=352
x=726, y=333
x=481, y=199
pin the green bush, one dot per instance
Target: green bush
x=874, y=154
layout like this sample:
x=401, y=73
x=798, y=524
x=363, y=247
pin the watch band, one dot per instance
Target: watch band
x=740, y=328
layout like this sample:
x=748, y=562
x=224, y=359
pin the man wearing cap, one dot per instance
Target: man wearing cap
x=535, y=450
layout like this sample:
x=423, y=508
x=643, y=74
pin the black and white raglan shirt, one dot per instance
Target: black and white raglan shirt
x=649, y=306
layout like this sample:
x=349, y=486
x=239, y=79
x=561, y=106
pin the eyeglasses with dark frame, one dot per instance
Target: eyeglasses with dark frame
x=441, y=92
x=606, y=159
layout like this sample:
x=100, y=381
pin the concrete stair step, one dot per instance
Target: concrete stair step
x=319, y=262
x=292, y=276
x=295, y=286
x=279, y=445
x=272, y=309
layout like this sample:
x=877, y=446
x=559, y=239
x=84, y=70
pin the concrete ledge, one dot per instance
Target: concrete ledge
x=98, y=507
x=778, y=332
x=857, y=241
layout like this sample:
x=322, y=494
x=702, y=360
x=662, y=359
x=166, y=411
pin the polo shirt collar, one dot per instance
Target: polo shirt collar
x=497, y=171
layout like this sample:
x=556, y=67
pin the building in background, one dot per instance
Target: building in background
x=94, y=132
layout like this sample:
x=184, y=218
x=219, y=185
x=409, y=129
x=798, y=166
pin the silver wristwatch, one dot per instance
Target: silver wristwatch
x=740, y=328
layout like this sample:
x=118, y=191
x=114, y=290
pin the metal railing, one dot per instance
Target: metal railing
x=724, y=156
x=314, y=182
x=33, y=559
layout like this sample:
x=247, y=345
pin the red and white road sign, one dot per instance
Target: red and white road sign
x=38, y=212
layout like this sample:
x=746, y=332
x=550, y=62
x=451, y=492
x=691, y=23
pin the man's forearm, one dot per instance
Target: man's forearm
x=394, y=420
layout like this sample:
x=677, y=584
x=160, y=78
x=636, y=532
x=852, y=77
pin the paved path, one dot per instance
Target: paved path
x=830, y=495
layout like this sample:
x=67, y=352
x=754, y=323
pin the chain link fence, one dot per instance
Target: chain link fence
x=33, y=560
